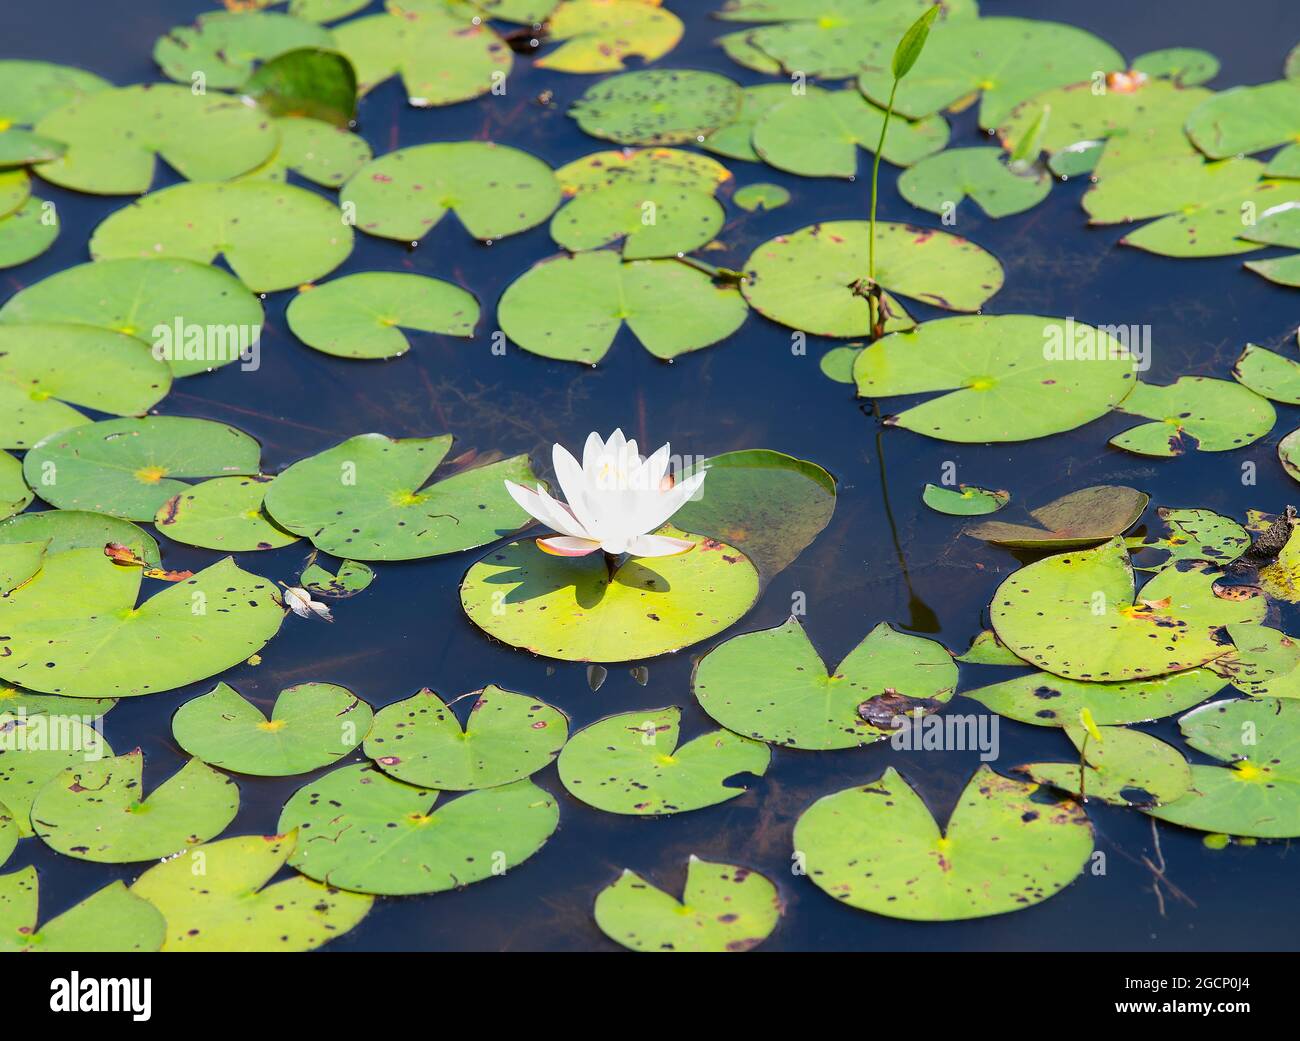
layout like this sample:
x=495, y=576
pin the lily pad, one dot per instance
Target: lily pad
x=1007, y=846
x=572, y=307
x=160, y=302
x=1267, y=663
x=352, y=578
x=772, y=685
x=76, y=529
x=230, y=907
x=1007, y=380
x=724, y=908
x=649, y=220
x=965, y=500
x=662, y=167
x=222, y=46
x=987, y=649
x=8, y=835
x=506, y=738
x=114, y=135
x=761, y=196
x=1242, y=120
x=1259, y=793
x=129, y=467
x=361, y=830
x=18, y=563
x=570, y=608
x=1124, y=768
x=657, y=107
x=769, y=505
x=316, y=151
x=96, y=811
x=27, y=232
x=17, y=701
x=361, y=316
x=1284, y=271
x=1078, y=615
x=597, y=35
x=1195, y=535
x=368, y=499
x=1005, y=60
x=1082, y=518
x=818, y=134
x=1195, y=411
x=310, y=82
x=812, y=279
x=735, y=139
x=14, y=493
x=1044, y=700
x=940, y=182
x=113, y=920
x=312, y=725
x=224, y=513
x=34, y=749
x=75, y=628
x=31, y=89
x=442, y=52
x=631, y=764
x=46, y=368
x=273, y=236
x=1186, y=66
x=494, y=190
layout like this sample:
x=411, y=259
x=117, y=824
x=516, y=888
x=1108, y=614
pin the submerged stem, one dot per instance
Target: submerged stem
x=874, y=301
x=611, y=563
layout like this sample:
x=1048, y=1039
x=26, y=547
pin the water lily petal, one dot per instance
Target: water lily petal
x=665, y=504
x=541, y=506
x=658, y=546
x=577, y=491
x=567, y=546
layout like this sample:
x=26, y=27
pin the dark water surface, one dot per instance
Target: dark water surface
x=885, y=557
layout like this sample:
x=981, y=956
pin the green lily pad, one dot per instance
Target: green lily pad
x=1044, y=700
x=14, y=493
x=15, y=188
x=572, y=307
x=362, y=316
x=1242, y=120
x=113, y=920
x=47, y=368
x=1259, y=793
x=230, y=907
x=311, y=82
x=368, y=499
x=1208, y=414
x=1078, y=615
x=34, y=749
x=1107, y=132
x=224, y=513
x=18, y=563
x=1195, y=535
x=735, y=139
x=113, y=136
x=97, y=811
x=316, y=151
x=352, y=578
x=661, y=167
x=273, y=236
x=1186, y=66
x=769, y=505
x=1284, y=271
x=223, y=46
x=837, y=363
x=657, y=106
x=23, y=147
x=312, y=725
x=1007, y=846
x=17, y=701
x=1285, y=162
x=1007, y=383
x=1279, y=225
x=761, y=196
x=160, y=302
x=442, y=52
x=1125, y=768
x=649, y=220
x=818, y=134
x=772, y=685
x=1006, y=60
x=8, y=835
x=1268, y=373
x=940, y=182
x=1267, y=663
x=32, y=89
x=27, y=232
x=361, y=830
x=75, y=628
x=987, y=649
x=810, y=278
x=631, y=764
x=597, y=35
x=494, y=190
x=723, y=908
x=506, y=738
x=77, y=529
x=129, y=467
x=570, y=608
x=965, y=500
x=1082, y=518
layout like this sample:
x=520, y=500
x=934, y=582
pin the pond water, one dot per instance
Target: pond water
x=885, y=556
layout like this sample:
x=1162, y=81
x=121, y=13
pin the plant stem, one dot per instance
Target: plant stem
x=874, y=296
x=611, y=564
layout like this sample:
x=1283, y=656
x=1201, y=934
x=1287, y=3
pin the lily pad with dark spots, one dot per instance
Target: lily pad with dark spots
x=1195, y=411
x=221, y=47
x=1123, y=768
x=657, y=107
x=598, y=35
x=35, y=748
x=1194, y=536
x=224, y=513
x=938, y=183
x=110, y=921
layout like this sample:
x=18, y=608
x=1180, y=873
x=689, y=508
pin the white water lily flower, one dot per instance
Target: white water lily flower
x=615, y=499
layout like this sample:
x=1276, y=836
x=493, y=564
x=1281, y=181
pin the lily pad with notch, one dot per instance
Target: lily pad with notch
x=506, y=737
x=631, y=763
x=224, y=513
x=223, y=46
x=598, y=35
x=771, y=686
x=36, y=748
x=1196, y=538
x=1266, y=665
x=939, y=183
x=77, y=529
x=1242, y=120
x=352, y=578
x=111, y=921
x=1211, y=415
x=1125, y=768
x=314, y=150
x=966, y=500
